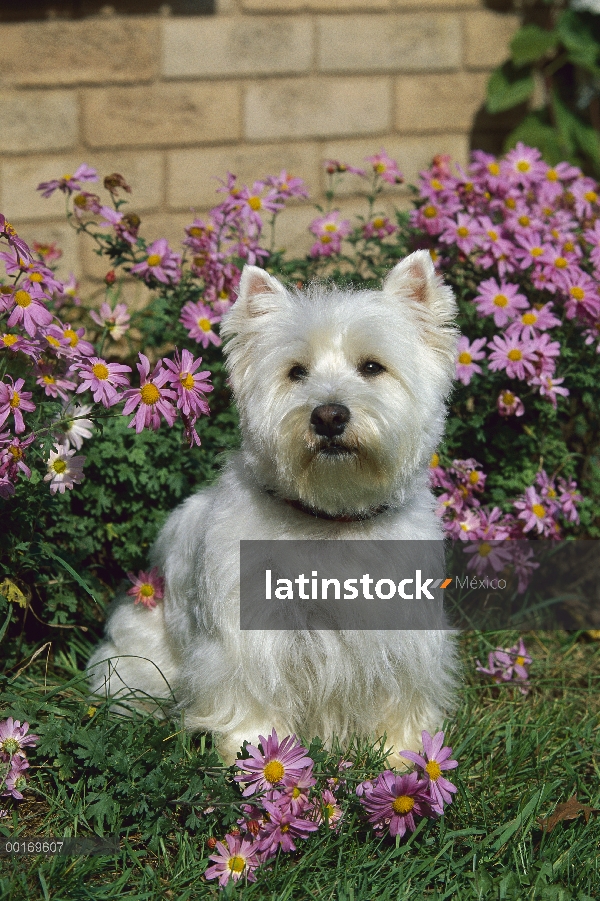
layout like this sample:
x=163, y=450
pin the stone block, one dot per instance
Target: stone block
x=236, y=45
x=435, y=103
x=20, y=178
x=409, y=42
x=487, y=36
x=161, y=115
x=317, y=107
x=88, y=51
x=38, y=120
x=192, y=175
x=313, y=5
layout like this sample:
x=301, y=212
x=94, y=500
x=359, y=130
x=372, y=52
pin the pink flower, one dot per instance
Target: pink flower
x=12, y=458
x=512, y=354
x=328, y=810
x=7, y=231
x=52, y=382
x=191, y=386
x=199, y=319
x=535, y=319
x=29, y=310
x=15, y=781
x=116, y=321
x=533, y=512
x=394, y=801
x=14, y=400
x=468, y=353
x=508, y=665
x=330, y=231
x=64, y=469
x=68, y=183
x=433, y=763
x=582, y=294
x=102, y=379
x=386, y=168
x=234, y=859
x=509, y=404
x=14, y=738
x=464, y=231
x=333, y=166
x=568, y=497
x=160, y=264
x=379, y=227
x=151, y=399
x=550, y=387
x=147, y=587
x=281, y=828
x=502, y=301
x=277, y=764
x=524, y=165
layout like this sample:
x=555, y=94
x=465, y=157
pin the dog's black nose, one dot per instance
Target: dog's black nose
x=330, y=420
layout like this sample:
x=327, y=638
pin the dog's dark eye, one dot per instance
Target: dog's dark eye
x=370, y=367
x=297, y=373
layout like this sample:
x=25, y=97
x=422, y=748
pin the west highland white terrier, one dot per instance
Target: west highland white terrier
x=341, y=396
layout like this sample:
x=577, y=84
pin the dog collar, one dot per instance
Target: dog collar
x=332, y=517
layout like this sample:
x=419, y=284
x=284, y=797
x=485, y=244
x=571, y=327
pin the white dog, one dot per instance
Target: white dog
x=341, y=397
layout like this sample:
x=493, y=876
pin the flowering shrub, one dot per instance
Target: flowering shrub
x=288, y=804
x=90, y=462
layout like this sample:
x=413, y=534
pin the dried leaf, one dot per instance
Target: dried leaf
x=12, y=593
x=570, y=810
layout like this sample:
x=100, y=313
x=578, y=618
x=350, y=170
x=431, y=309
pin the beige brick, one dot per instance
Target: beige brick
x=313, y=5
x=37, y=120
x=487, y=36
x=426, y=103
x=236, y=45
x=118, y=49
x=19, y=179
x=412, y=154
x=192, y=175
x=317, y=107
x=402, y=42
x=161, y=115
x=59, y=232
x=436, y=4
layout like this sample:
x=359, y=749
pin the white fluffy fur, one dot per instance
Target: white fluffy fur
x=239, y=684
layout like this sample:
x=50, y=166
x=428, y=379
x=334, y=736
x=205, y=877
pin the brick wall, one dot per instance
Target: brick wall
x=265, y=84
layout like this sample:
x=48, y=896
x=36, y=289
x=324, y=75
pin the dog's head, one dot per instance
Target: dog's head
x=341, y=393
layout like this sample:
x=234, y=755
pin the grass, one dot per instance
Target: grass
x=519, y=756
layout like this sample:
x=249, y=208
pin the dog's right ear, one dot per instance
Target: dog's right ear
x=257, y=291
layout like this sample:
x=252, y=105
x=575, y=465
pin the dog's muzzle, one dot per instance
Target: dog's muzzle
x=329, y=420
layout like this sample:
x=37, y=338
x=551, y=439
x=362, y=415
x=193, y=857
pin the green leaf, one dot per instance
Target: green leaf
x=508, y=87
x=531, y=43
x=575, y=132
x=575, y=32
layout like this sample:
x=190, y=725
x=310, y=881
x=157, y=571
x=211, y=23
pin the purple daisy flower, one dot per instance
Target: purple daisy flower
x=151, y=399
x=278, y=763
x=435, y=761
x=394, y=801
x=15, y=781
x=468, y=353
x=29, y=310
x=199, y=319
x=160, y=263
x=68, y=183
x=13, y=738
x=102, y=379
x=14, y=400
x=282, y=828
x=7, y=231
x=190, y=386
x=237, y=858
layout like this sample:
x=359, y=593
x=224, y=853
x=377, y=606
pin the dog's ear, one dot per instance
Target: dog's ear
x=414, y=278
x=257, y=291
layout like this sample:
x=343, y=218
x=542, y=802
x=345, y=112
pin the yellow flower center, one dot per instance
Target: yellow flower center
x=15, y=400
x=536, y=251
x=380, y=167
x=378, y=222
x=274, y=772
x=508, y=398
x=49, y=380
x=15, y=452
x=403, y=804
x=493, y=168
x=147, y=590
x=10, y=745
x=539, y=510
x=59, y=466
x=515, y=354
x=552, y=175
x=462, y=231
x=223, y=295
x=500, y=300
x=204, y=324
x=67, y=177
x=296, y=792
x=255, y=203
x=473, y=477
x=465, y=358
x=568, y=247
x=524, y=221
x=330, y=227
x=100, y=371
x=510, y=202
x=523, y=166
x=551, y=492
x=591, y=196
x=52, y=341
x=529, y=318
x=9, y=340
x=485, y=549
x=430, y=212
x=186, y=380
x=436, y=184
x=36, y=277
x=435, y=460
x=153, y=259
x=577, y=293
x=560, y=263
x=80, y=200
x=22, y=298
x=195, y=232
x=236, y=863
x=72, y=336
x=150, y=394
x=520, y=661
x=493, y=235
x=433, y=770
